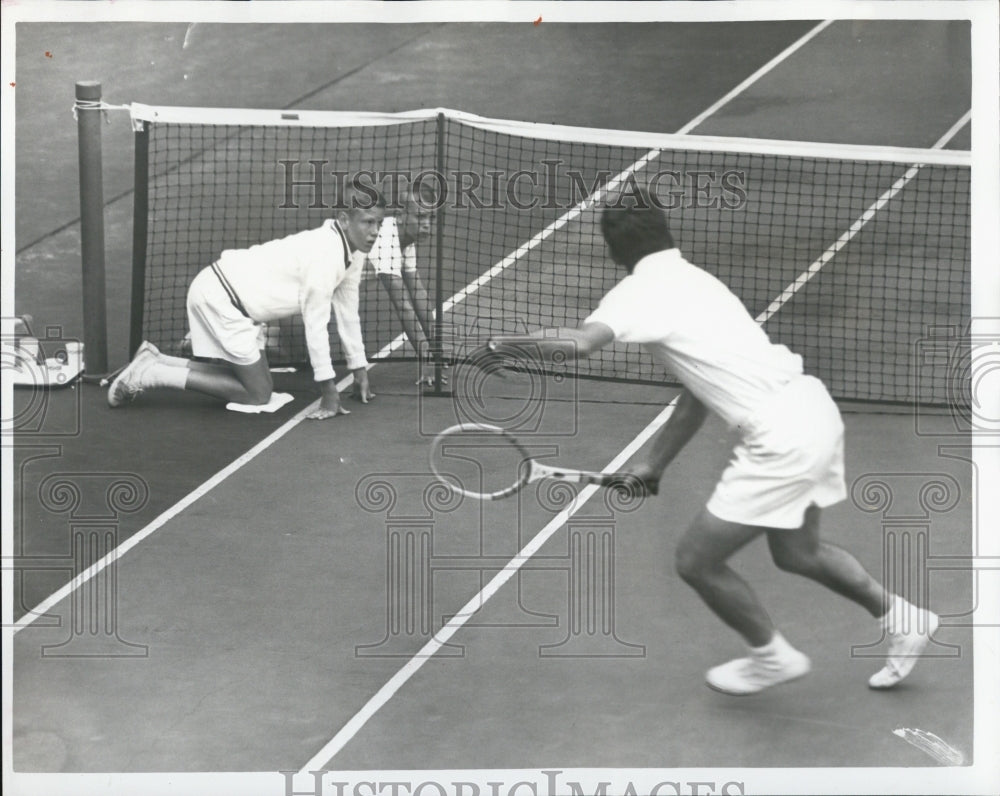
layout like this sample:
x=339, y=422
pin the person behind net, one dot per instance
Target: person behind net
x=308, y=273
x=394, y=259
x=786, y=467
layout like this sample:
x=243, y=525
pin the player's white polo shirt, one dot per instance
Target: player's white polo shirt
x=310, y=273
x=791, y=451
x=387, y=256
x=700, y=331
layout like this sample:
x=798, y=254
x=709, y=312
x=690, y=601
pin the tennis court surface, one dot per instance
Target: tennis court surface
x=291, y=595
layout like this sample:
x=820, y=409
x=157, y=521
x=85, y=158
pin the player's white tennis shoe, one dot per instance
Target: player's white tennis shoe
x=128, y=384
x=909, y=629
x=758, y=671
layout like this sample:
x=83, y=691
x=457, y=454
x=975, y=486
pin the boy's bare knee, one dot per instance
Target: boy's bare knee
x=259, y=396
x=256, y=381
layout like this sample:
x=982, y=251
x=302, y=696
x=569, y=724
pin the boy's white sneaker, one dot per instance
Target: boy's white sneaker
x=128, y=384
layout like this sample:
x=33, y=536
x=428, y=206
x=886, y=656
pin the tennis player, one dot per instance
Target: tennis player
x=308, y=273
x=394, y=259
x=786, y=467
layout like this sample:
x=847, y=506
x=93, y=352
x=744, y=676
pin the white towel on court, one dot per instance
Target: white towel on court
x=278, y=400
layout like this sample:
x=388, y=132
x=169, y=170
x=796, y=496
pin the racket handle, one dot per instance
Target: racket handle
x=629, y=483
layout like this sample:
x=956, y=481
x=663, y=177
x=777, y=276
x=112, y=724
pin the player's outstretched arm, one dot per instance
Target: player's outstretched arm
x=572, y=343
x=682, y=424
x=416, y=328
x=362, y=388
x=420, y=300
x=346, y=303
x=399, y=297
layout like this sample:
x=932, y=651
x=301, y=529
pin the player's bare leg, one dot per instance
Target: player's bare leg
x=907, y=627
x=701, y=559
x=150, y=369
x=244, y=384
x=803, y=552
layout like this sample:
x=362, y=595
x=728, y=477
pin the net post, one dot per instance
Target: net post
x=140, y=220
x=438, y=349
x=95, y=329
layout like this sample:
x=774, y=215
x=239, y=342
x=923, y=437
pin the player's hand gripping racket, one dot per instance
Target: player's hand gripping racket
x=488, y=463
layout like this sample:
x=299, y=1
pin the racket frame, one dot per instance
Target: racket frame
x=535, y=470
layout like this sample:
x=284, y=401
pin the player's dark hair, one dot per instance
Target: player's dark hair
x=635, y=226
x=361, y=195
x=423, y=194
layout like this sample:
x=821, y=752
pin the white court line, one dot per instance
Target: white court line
x=858, y=225
x=560, y=222
x=51, y=601
x=712, y=109
x=236, y=465
x=386, y=692
x=645, y=160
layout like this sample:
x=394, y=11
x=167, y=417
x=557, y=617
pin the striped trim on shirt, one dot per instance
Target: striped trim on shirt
x=346, y=243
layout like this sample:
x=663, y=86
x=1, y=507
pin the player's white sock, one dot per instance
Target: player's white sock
x=899, y=613
x=160, y=374
x=777, y=647
x=774, y=663
x=175, y=362
x=909, y=630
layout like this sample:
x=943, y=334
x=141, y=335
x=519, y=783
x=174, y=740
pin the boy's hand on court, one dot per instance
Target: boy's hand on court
x=329, y=405
x=362, y=389
x=428, y=367
x=427, y=377
x=323, y=414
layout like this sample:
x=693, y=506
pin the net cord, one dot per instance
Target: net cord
x=550, y=132
x=96, y=105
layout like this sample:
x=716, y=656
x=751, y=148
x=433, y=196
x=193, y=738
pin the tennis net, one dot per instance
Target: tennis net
x=851, y=256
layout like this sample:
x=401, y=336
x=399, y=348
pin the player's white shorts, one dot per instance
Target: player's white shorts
x=791, y=456
x=218, y=329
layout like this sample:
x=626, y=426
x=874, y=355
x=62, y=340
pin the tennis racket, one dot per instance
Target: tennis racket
x=489, y=463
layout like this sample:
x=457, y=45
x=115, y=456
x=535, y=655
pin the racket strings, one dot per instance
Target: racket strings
x=480, y=462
